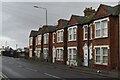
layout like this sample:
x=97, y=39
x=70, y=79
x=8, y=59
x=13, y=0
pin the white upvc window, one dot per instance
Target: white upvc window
x=101, y=28
x=60, y=35
x=45, y=53
x=72, y=51
x=59, y=53
x=54, y=37
x=30, y=40
x=101, y=55
x=85, y=30
x=39, y=39
x=91, y=31
x=46, y=38
x=72, y=33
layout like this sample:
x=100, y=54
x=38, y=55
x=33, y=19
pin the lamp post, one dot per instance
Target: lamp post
x=36, y=6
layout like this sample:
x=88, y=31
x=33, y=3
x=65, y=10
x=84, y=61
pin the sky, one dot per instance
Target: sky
x=19, y=18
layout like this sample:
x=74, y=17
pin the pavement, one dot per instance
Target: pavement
x=87, y=70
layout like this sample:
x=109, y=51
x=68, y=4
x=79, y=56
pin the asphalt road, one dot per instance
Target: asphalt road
x=15, y=68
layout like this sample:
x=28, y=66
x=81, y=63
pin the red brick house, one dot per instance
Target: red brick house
x=32, y=43
x=38, y=45
x=105, y=37
x=47, y=42
x=87, y=37
x=61, y=53
x=73, y=40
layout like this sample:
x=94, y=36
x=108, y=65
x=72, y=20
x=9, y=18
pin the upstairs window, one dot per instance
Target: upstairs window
x=46, y=38
x=30, y=40
x=53, y=37
x=39, y=39
x=85, y=34
x=72, y=33
x=60, y=35
x=101, y=28
x=104, y=28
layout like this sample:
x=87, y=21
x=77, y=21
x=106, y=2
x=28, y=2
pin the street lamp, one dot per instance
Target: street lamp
x=36, y=6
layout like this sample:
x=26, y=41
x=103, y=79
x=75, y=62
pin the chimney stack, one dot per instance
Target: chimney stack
x=89, y=11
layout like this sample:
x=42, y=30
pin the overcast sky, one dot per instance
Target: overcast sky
x=19, y=18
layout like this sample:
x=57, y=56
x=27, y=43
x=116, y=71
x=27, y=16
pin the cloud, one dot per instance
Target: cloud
x=19, y=18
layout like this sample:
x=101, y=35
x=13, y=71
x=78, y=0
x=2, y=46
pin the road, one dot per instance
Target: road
x=17, y=68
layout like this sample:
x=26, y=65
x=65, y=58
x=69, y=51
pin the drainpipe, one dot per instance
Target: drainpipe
x=119, y=43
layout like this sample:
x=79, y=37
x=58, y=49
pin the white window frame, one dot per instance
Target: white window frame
x=46, y=38
x=91, y=31
x=72, y=33
x=60, y=35
x=45, y=54
x=59, y=53
x=100, y=20
x=72, y=54
x=101, y=54
x=54, y=37
x=39, y=39
x=30, y=40
x=85, y=32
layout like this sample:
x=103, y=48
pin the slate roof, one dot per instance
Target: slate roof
x=63, y=22
x=115, y=10
x=40, y=31
x=33, y=33
x=48, y=28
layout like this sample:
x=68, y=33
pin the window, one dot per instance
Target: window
x=90, y=32
x=72, y=54
x=46, y=37
x=105, y=55
x=101, y=28
x=39, y=39
x=85, y=32
x=53, y=37
x=60, y=35
x=101, y=55
x=97, y=55
x=59, y=54
x=45, y=52
x=72, y=33
x=31, y=40
x=104, y=28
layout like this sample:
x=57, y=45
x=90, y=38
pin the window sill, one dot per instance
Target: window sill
x=71, y=40
x=100, y=37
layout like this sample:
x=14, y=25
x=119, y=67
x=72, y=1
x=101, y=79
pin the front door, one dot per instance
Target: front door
x=85, y=49
x=86, y=57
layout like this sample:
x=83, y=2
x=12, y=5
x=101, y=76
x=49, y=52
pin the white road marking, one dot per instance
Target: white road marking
x=51, y=75
x=31, y=69
x=4, y=76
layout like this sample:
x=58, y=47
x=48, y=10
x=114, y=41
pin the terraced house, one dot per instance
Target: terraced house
x=47, y=42
x=61, y=55
x=38, y=45
x=90, y=40
x=105, y=34
x=32, y=43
